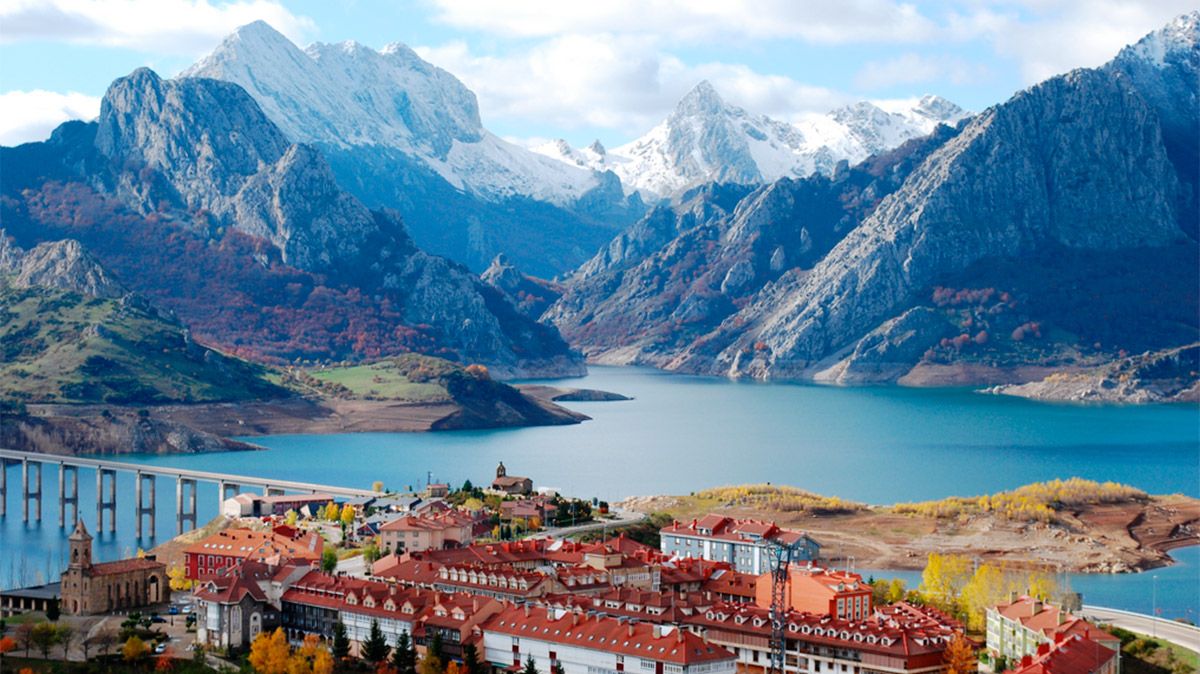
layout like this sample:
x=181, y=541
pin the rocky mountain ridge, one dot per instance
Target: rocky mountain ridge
x=706, y=139
x=1072, y=185
x=196, y=160
x=404, y=134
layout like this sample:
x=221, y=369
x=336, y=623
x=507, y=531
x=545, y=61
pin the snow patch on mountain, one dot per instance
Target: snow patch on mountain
x=707, y=139
x=348, y=95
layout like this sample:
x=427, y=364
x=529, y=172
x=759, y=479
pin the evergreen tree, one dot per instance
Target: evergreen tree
x=434, y=647
x=404, y=656
x=471, y=664
x=53, y=612
x=530, y=666
x=341, y=642
x=375, y=649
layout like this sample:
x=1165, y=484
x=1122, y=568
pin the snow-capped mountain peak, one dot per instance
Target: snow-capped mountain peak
x=1181, y=36
x=348, y=95
x=706, y=139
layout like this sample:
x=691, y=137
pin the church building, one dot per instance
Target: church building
x=511, y=484
x=89, y=588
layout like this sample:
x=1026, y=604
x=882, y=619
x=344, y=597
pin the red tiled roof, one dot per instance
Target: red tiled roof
x=878, y=634
x=650, y=642
x=1075, y=655
x=125, y=566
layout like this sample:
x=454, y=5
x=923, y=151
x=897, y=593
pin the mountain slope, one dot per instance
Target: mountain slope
x=1049, y=231
x=681, y=271
x=401, y=133
x=190, y=193
x=706, y=139
x=71, y=334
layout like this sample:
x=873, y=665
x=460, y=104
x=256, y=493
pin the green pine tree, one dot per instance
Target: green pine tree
x=434, y=647
x=471, y=664
x=404, y=656
x=341, y=642
x=375, y=649
x=530, y=666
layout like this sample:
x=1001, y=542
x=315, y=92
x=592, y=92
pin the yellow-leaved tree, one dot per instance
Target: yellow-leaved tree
x=177, y=578
x=944, y=577
x=269, y=653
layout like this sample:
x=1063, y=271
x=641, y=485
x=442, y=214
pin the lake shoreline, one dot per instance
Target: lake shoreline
x=1128, y=537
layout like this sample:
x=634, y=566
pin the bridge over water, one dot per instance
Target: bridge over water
x=144, y=500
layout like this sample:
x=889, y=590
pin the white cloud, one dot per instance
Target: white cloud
x=31, y=115
x=847, y=21
x=164, y=26
x=623, y=83
x=1049, y=37
x=912, y=68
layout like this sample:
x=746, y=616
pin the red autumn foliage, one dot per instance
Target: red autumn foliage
x=232, y=289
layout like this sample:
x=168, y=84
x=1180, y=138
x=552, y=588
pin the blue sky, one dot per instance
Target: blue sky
x=582, y=70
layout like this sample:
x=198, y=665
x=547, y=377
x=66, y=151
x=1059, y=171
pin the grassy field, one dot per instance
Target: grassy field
x=62, y=347
x=384, y=380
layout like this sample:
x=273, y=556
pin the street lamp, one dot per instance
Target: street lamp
x=1154, y=607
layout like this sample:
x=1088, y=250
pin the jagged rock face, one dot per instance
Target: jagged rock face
x=531, y=296
x=199, y=154
x=403, y=134
x=1076, y=161
x=58, y=264
x=705, y=139
x=803, y=279
x=203, y=137
x=681, y=271
x=1163, y=67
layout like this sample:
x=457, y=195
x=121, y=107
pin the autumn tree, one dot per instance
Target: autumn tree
x=43, y=637
x=177, y=578
x=7, y=645
x=453, y=668
x=269, y=653
x=430, y=664
x=347, y=515
x=895, y=591
x=290, y=517
x=377, y=486
x=960, y=656
x=986, y=588
x=134, y=649
x=375, y=649
x=944, y=577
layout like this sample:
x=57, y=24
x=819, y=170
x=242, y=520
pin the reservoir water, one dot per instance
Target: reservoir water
x=679, y=434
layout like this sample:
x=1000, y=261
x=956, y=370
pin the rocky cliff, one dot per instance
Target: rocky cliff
x=1053, y=230
x=183, y=176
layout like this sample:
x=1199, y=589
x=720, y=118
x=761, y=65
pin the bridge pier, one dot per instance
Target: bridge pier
x=27, y=494
x=268, y=490
x=223, y=489
x=142, y=507
x=108, y=503
x=66, y=497
x=3, y=487
x=181, y=514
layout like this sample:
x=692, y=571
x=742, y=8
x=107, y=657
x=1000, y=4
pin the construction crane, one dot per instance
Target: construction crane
x=781, y=558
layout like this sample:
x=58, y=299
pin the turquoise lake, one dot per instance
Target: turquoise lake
x=680, y=433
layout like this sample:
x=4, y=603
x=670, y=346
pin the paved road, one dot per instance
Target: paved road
x=1177, y=633
x=621, y=518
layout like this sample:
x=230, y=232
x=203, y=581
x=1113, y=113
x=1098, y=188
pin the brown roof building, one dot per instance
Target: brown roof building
x=89, y=588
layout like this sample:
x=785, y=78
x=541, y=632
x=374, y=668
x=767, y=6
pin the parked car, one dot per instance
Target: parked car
x=187, y=609
x=173, y=610
x=157, y=619
x=160, y=649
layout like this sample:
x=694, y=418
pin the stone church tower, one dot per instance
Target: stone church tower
x=81, y=547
